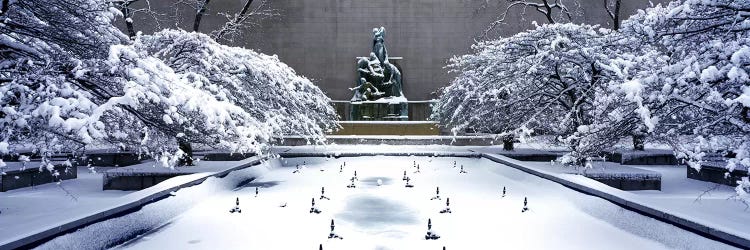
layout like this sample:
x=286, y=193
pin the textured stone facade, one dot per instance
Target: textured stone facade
x=321, y=38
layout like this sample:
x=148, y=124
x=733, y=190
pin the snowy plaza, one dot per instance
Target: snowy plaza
x=374, y=124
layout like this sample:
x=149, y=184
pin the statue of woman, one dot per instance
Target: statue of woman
x=378, y=44
x=377, y=72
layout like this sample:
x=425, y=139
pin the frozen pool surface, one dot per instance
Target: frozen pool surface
x=392, y=216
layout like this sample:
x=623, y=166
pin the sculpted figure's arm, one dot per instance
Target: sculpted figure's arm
x=362, y=65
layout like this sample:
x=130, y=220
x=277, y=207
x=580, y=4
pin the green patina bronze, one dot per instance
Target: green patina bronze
x=378, y=94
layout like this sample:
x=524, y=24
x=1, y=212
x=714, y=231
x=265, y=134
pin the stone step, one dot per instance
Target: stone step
x=388, y=128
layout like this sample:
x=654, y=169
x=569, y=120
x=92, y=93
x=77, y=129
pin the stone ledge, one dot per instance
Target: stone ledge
x=388, y=128
x=360, y=154
x=19, y=177
x=397, y=140
x=646, y=157
x=114, y=159
x=716, y=173
x=531, y=154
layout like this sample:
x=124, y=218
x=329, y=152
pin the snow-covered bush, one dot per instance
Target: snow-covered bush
x=71, y=79
x=621, y=107
x=262, y=85
x=42, y=42
x=687, y=85
x=703, y=93
x=541, y=80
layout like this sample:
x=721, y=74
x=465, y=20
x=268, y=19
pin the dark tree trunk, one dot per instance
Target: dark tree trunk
x=184, y=145
x=614, y=14
x=5, y=6
x=639, y=142
x=616, y=18
x=128, y=20
x=508, y=143
x=199, y=15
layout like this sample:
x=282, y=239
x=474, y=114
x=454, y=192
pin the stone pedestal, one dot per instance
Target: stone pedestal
x=379, y=111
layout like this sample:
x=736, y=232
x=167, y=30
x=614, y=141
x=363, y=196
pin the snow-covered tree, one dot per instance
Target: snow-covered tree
x=541, y=80
x=704, y=90
x=687, y=85
x=42, y=42
x=262, y=85
x=619, y=107
x=71, y=79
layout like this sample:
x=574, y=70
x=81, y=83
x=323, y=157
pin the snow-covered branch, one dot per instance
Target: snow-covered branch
x=247, y=18
x=74, y=80
x=554, y=11
x=543, y=80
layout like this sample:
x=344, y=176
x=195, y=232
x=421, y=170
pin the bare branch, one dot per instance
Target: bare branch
x=246, y=18
x=129, y=11
x=554, y=11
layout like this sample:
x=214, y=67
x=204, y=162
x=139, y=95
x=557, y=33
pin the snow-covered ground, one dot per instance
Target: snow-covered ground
x=392, y=216
x=32, y=210
x=706, y=203
x=44, y=206
x=556, y=211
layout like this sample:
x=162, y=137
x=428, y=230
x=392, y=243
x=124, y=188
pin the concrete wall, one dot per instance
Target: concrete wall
x=321, y=38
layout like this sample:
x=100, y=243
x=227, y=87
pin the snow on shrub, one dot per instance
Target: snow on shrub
x=700, y=97
x=544, y=80
x=268, y=89
x=71, y=79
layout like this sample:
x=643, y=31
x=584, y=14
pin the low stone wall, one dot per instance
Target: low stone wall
x=531, y=155
x=136, y=181
x=110, y=159
x=629, y=157
x=716, y=173
x=649, y=157
x=32, y=176
x=224, y=156
x=629, y=182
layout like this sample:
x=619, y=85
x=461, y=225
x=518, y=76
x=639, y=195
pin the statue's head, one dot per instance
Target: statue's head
x=373, y=56
x=378, y=34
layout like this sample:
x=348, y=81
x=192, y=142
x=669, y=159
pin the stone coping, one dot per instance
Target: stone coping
x=14, y=166
x=387, y=122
